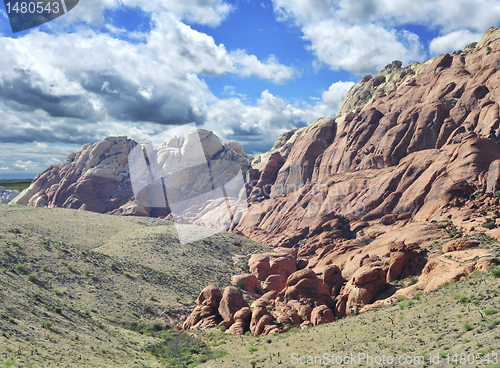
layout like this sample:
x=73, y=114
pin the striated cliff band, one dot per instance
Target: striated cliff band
x=400, y=192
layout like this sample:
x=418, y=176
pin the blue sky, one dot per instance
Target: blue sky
x=247, y=70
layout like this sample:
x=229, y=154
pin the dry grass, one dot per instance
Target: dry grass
x=95, y=275
x=458, y=318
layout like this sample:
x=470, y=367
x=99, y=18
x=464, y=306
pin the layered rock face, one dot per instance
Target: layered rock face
x=93, y=179
x=407, y=141
x=98, y=178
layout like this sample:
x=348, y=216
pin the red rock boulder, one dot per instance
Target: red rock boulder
x=321, y=315
x=248, y=283
x=232, y=301
x=282, y=262
x=306, y=287
x=205, y=314
x=362, y=288
x=459, y=244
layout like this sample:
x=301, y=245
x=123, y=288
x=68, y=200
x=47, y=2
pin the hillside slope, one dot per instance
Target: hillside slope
x=95, y=277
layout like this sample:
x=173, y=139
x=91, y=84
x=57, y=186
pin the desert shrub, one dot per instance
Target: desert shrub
x=71, y=268
x=88, y=272
x=48, y=324
x=9, y=363
x=467, y=327
x=252, y=349
x=418, y=295
x=13, y=242
x=125, y=273
x=495, y=273
x=32, y=277
x=58, y=310
x=182, y=350
x=489, y=225
x=6, y=251
x=56, y=292
x=45, y=268
x=364, y=242
x=490, y=311
x=494, y=324
x=2, y=270
x=19, y=266
x=462, y=299
x=401, y=299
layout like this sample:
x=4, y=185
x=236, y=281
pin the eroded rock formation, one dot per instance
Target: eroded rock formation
x=387, y=199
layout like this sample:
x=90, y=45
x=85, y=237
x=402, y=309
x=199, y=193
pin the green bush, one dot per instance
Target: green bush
x=19, y=266
x=6, y=251
x=468, y=327
x=32, y=277
x=364, y=242
x=252, y=349
x=490, y=311
x=45, y=268
x=182, y=350
x=9, y=363
x=462, y=299
x=489, y=225
x=495, y=273
x=48, y=324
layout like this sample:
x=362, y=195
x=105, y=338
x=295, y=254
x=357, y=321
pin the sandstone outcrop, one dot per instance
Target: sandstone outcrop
x=98, y=177
x=205, y=314
x=232, y=301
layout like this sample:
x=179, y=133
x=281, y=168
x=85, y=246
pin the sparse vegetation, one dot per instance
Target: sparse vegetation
x=32, y=277
x=364, y=242
x=181, y=350
x=48, y=324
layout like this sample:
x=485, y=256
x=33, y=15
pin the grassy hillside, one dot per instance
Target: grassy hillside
x=74, y=284
x=19, y=184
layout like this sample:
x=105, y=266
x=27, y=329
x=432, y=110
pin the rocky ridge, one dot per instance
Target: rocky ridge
x=98, y=178
x=397, y=194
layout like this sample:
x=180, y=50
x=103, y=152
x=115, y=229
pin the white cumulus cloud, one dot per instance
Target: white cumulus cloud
x=365, y=35
x=453, y=41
